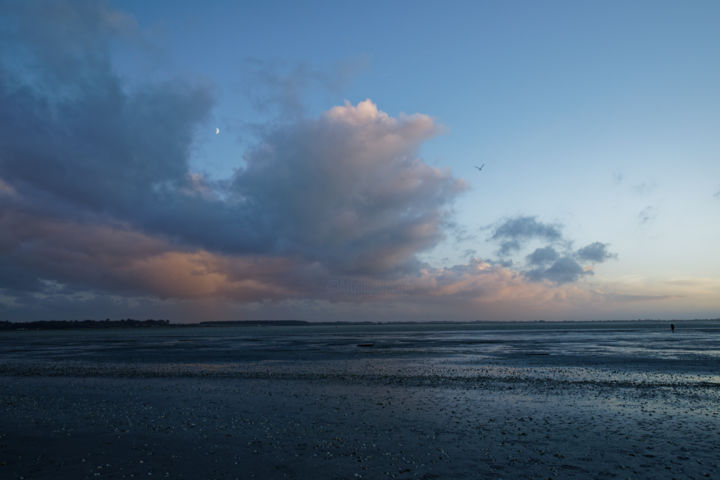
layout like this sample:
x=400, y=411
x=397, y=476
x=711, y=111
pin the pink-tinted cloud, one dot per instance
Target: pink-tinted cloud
x=116, y=259
x=348, y=189
x=72, y=267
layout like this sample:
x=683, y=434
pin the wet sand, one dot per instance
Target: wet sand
x=100, y=427
x=354, y=417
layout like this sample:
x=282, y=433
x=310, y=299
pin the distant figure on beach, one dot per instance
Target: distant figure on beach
x=672, y=327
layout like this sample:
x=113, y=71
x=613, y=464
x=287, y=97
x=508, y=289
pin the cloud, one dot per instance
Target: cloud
x=76, y=140
x=546, y=263
x=595, y=252
x=348, y=189
x=542, y=256
x=717, y=194
x=55, y=42
x=107, y=202
x=620, y=297
x=40, y=252
x=63, y=260
x=514, y=232
x=562, y=270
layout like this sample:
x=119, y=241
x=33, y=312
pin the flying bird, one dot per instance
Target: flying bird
x=480, y=167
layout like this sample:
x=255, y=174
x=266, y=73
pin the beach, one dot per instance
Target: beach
x=427, y=401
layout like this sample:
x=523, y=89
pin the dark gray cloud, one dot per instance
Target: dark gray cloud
x=42, y=255
x=562, y=270
x=35, y=249
x=514, y=232
x=556, y=261
x=74, y=139
x=595, y=252
x=60, y=44
x=543, y=256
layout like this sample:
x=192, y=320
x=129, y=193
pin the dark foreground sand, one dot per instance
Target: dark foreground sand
x=56, y=427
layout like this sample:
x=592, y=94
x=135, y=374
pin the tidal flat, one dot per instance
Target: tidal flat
x=543, y=400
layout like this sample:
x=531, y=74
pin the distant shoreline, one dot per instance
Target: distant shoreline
x=153, y=323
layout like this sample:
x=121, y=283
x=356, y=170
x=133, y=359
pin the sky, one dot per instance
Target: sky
x=201, y=161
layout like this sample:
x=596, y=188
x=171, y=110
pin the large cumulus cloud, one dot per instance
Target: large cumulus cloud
x=93, y=172
x=348, y=189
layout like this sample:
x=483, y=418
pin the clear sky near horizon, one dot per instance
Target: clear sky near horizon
x=342, y=182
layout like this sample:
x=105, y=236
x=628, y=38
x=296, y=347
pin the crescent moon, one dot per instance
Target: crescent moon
x=217, y=131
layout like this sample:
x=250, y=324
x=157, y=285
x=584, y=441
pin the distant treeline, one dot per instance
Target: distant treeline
x=252, y=323
x=72, y=324
x=132, y=323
